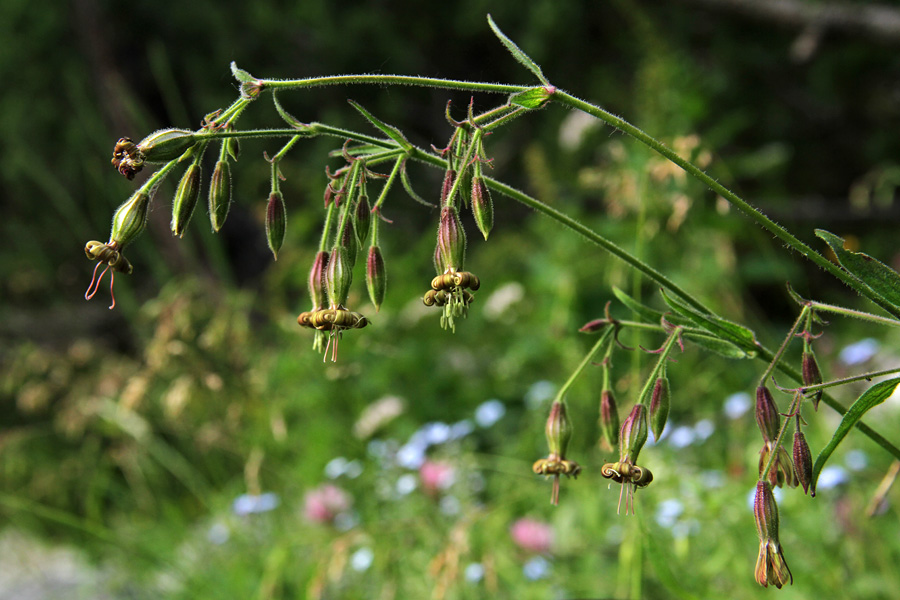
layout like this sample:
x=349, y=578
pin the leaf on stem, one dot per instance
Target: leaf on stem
x=288, y=117
x=407, y=185
x=872, y=397
x=874, y=274
x=517, y=53
x=739, y=335
x=389, y=130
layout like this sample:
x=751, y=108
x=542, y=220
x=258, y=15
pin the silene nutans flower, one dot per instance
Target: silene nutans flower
x=659, y=406
x=220, y=194
x=128, y=223
x=276, y=222
x=771, y=566
x=329, y=283
x=782, y=472
x=632, y=437
x=452, y=288
x=559, y=432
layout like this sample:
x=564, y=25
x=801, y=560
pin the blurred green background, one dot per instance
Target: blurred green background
x=177, y=446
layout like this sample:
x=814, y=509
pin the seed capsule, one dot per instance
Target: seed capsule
x=276, y=221
x=220, y=195
x=482, y=206
x=376, y=279
x=186, y=197
x=130, y=219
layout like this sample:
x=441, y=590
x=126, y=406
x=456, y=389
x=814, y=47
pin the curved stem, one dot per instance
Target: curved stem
x=751, y=211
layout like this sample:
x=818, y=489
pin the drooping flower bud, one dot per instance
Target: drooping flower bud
x=659, y=406
x=130, y=219
x=186, y=197
x=482, y=206
x=362, y=219
x=276, y=222
x=317, y=281
x=338, y=277
x=165, y=145
x=767, y=417
x=811, y=376
x=633, y=434
x=609, y=420
x=376, y=279
x=447, y=185
x=803, y=462
x=451, y=239
x=558, y=430
x=771, y=566
x=219, y=194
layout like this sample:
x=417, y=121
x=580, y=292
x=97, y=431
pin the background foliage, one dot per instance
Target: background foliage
x=129, y=434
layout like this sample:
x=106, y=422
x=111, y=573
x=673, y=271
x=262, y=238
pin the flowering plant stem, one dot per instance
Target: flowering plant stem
x=600, y=344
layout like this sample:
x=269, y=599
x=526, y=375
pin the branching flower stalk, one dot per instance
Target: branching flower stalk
x=351, y=220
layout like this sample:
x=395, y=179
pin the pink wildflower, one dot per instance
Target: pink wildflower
x=532, y=536
x=324, y=503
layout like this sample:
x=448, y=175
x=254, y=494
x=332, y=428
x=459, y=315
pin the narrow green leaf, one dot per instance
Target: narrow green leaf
x=876, y=275
x=737, y=334
x=240, y=74
x=645, y=313
x=288, y=117
x=536, y=97
x=715, y=344
x=517, y=53
x=872, y=397
x=389, y=130
x=407, y=185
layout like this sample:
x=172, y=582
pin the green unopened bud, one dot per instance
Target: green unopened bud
x=338, y=277
x=811, y=376
x=276, y=222
x=451, y=239
x=219, y=194
x=165, y=145
x=609, y=419
x=186, y=197
x=633, y=434
x=482, y=206
x=767, y=417
x=130, y=219
x=317, y=281
x=376, y=279
x=659, y=406
x=232, y=145
x=558, y=430
x=803, y=462
x=362, y=219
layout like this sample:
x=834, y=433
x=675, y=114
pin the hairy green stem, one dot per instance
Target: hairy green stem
x=447, y=84
x=804, y=313
x=604, y=338
x=745, y=207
